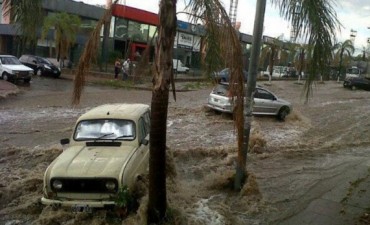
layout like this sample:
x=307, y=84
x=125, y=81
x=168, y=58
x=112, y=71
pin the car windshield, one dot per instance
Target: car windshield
x=221, y=89
x=105, y=129
x=10, y=61
x=42, y=60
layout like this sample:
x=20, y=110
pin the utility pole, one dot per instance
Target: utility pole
x=252, y=76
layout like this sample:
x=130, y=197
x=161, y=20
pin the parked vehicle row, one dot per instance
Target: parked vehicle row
x=13, y=69
x=41, y=66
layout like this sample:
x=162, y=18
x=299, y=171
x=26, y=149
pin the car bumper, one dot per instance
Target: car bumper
x=220, y=108
x=54, y=73
x=20, y=76
x=78, y=203
x=347, y=84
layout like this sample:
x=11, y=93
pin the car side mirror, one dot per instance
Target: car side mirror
x=64, y=141
x=145, y=142
x=34, y=61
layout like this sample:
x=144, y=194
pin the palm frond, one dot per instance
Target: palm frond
x=317, y=22
x=223, y=49
x=89, y=53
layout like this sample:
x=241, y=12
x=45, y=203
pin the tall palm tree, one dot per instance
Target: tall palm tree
x=28, y=17
x=65, y=28
x=342, y=49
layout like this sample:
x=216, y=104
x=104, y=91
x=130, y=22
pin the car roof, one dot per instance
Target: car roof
x=7, y=56
x=227, y=84
x=116, y=111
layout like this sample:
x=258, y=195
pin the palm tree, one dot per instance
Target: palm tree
x=28, y=16
x=343, y=48
x=271, y=51
x=65, y=28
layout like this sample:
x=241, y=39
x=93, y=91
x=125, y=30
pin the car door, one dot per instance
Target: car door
x=1, y=67
x=141, y=156
x=362, y=83
x=32, y=62
x=264, y=102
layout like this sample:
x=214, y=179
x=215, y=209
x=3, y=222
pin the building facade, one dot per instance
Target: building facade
x=131, y=32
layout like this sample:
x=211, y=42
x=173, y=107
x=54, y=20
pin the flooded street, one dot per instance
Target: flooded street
x=312, y=168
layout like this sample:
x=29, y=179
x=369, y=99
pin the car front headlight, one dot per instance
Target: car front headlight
x=57, y=184
x=110, y=185
x=47, y=67
x=225, y=101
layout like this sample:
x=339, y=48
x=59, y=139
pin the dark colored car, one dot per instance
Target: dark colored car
x=357, y=82
x=40, y=65
x=224, y=75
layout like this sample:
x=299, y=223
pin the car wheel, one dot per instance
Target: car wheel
x=38, y=72
x=284, y=111
x=5, y=76
x=27, y=80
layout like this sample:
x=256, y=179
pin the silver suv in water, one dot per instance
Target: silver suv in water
x=265, y=102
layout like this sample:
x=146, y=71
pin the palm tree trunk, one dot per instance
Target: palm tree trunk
x=157, y=161
x=162, y=78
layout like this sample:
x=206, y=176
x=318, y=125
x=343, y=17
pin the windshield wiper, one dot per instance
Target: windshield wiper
x=104, y=135
x=122, y=136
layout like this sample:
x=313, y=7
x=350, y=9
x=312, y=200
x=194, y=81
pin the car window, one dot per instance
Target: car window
x=107, y=129
x=10, y=61
x=221, y=89
x=23, y=58
x=263, y=94
x=45, y=61
x=143, y=129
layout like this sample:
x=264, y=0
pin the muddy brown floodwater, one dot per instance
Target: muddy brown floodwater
x=316, y=158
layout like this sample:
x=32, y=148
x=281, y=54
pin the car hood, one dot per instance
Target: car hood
x=92, y=161
x=17, y=67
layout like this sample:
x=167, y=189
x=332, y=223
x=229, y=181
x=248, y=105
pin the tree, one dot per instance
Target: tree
x=28, y=17
x=342, y=49
x=65, y=28
x=271, y=51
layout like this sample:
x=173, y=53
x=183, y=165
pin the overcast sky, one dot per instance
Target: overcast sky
x=353, y=14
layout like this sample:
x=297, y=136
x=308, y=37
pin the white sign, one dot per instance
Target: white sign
x=196, y=44
x=184, y=40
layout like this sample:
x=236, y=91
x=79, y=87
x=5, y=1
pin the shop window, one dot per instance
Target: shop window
x=120, y=31
x=152, y=32
x=138, y=31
